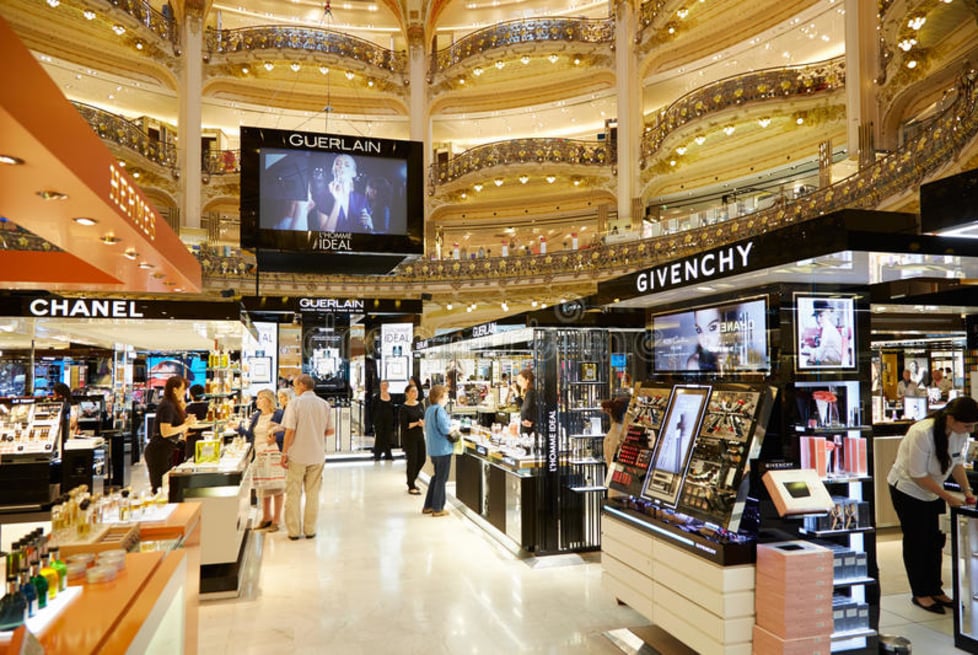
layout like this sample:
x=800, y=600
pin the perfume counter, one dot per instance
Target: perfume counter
x=501, y=494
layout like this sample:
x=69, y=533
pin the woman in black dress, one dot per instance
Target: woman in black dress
x=528, y=408
x=169, y=431
x=383, y=416
x=412, y=436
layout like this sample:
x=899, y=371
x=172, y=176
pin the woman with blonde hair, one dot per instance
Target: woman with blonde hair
x=261, y=431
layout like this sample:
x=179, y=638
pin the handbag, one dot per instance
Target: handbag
x=454, y=436
x=269, y=474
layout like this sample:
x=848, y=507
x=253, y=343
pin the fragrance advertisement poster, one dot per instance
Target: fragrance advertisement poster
x=826, y=332
x=395, y=354
x=719, y=338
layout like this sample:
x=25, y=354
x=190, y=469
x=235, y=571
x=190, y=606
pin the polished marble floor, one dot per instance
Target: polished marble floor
x=382, y=578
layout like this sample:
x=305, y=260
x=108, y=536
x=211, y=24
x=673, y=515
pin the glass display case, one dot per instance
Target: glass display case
x=964, y=570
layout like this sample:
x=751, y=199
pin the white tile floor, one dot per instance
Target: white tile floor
x=381, y=578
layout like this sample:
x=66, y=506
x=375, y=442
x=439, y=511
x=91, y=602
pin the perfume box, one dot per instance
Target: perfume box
x=768, y=643
x=855, y=456
x=814, y=455
x=791, y=561
x=796, y=619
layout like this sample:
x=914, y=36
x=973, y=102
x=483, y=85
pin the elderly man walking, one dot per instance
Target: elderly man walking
x=307, y=421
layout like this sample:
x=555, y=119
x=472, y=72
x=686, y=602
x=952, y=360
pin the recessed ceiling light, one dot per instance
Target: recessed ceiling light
x=146, y=265
x=10, y=160
x=110, y=239
x=85, y=220
x=118, y=29
x=130, y=254
x=178, y=289
x=88, y=14
x=52, y=195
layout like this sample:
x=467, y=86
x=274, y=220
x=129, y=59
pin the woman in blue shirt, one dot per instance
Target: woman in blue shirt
x=440, y=449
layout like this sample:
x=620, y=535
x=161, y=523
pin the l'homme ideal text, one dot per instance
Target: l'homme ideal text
x=707, y=265
x=333, y=241
x=334, y=143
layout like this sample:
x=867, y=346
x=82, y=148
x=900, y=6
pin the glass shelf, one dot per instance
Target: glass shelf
x=829, y=533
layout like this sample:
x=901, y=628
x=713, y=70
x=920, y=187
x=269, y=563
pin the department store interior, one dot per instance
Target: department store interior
x=752, y=226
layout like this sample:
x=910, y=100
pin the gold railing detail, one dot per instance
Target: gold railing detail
x=129, y=135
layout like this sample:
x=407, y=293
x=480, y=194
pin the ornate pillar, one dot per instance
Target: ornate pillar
x=862, y=64
x=191, y=20
x=420, y=121
x=629, y=100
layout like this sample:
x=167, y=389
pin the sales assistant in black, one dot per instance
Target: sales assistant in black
x=528, y=405
x=169, y=431
x=932, y=451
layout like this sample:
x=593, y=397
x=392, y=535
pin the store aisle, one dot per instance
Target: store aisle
x=381, y=577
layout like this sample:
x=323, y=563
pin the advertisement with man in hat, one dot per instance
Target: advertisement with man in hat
x=825, y=332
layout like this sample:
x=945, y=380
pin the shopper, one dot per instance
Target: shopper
x=169, y=431
x=197, y=405
x=932, y=451
x=436, y=430
x=260, y=431
x=412, y=436
x=943, y=384
x=615, y=408
x=284, y=397
x=528, y=404
x=908, y=386
x=382, y=412
x=69, y=420
x=308, y=421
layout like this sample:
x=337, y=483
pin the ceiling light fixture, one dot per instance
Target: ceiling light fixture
x=477, y=186
x=524, y=60
x=295, y=66
x=498, y=181
x=130, y=253
x=912, y=63
x=764, y=122
x=916, y=22
x=88, y=14
x=157, y=275
x=524, y=179
x=449, y=306
x=577, y=61
x=729, y=130
x=349, y=75
x=553, y=59
x=551, y=179
x=245, y=70
x=146, y=266
x=504, y=305
x=370, y=83
x=577, y=181
x=85, y=220
x=10, y=160
x=800, y=120
x=477, y=71
x=269, y=66
x=907, y=44
x=324, y=69
x=53, y=3
x=52, y=195
x=700, y=140
x=118, y=29
x=500, y=64
x=139, y=45
x=110, y=239
x=681, y=150
x=682, y=13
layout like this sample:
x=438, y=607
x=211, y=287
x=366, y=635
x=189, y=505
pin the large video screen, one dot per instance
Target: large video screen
x=826, y=330
x=162, y=368
x=329, y=196
x=717, y=338
x=676, y=438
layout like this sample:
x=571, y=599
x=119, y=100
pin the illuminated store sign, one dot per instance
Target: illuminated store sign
x=81, y=307
x=722, y=261
x=326, y=142
x=131, y=203
x=331, y=305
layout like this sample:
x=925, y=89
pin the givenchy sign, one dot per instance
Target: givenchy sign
x=721, y=261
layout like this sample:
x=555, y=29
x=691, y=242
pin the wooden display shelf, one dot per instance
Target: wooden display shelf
x=109, y=537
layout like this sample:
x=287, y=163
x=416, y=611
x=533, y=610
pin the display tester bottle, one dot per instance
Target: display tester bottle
x=51, y=575
x=13, y=606
x=41, y=584
x=29, y=592
x=60, y=567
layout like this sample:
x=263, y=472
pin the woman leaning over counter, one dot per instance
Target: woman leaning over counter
x=169, y=431
x=932, y=451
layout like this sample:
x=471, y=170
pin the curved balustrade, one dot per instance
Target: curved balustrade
x=222, y=162
x=305, y=39
x=115, y=128
x=890, y=176
x=520, y=151
x=158, y=23
x=822, y=77
x=532, y=30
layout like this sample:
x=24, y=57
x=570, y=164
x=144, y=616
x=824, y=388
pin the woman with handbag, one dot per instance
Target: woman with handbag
x=269, y=476
x=169, y=431
x=437, y=429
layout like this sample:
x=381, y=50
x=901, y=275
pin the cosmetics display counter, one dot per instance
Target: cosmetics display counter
x=144, y=609
x=964, y=569
x=223, y=490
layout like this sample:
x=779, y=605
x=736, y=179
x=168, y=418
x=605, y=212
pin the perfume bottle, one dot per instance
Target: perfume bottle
x=60, y=567
x=13, y=606
x=50, y=575
x=41, y=584
x=29, y=592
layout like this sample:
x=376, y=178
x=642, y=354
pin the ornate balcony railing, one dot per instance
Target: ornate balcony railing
x=129, y=135
x=520, y=151
x=650, y=10
x=889, y=177
x=141, y=10
x=532, y=30
x=222, y=162
x=305, y=39
x=775, y=83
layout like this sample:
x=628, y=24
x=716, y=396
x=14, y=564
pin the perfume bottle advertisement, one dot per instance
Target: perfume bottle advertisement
x=395, y=353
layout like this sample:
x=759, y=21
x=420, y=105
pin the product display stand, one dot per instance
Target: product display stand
x=964, y=569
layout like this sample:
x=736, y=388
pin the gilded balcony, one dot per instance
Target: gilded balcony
x=129, y=135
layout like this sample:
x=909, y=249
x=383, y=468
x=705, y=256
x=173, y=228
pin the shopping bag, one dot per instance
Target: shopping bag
x=269, y=474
